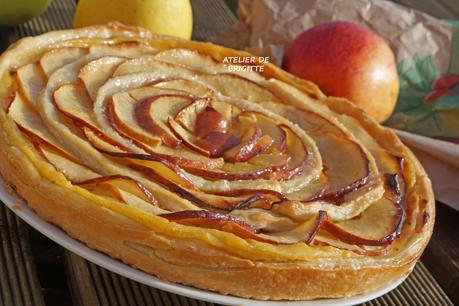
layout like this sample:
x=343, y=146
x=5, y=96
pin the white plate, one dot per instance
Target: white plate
x=21, y=209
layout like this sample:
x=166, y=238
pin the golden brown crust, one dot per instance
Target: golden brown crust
x=197, y=263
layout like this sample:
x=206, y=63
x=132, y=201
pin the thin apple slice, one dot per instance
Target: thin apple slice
x=57, y=58
x=218, y=142
x=227, y=110
x=152, y=114
x=298, y=153
x=101, y=142
x=125, y=49
x=314, y=191
x=187, y=116
x=327, y=240
x=379, y=224
x=148, y=64
x=213, y=220
x=305, y=232
x=72, y=170
x=97, y=72
x=347, y=169
x=209, y=120
x=235, y=86
x=190, y=140
x=71, y=100
x=201, y=199
x=194, y=88
x=121, y=115
x=160, y=166
x=269, y=127
x=28, y=119
x=31, y=80
x=122, y=182
x=246, y=129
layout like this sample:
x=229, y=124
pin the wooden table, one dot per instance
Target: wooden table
x=34, y=271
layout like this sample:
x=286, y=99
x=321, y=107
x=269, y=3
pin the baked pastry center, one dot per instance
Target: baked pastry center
x=260, y=165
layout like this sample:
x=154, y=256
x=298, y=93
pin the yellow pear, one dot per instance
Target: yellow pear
x=169, y=17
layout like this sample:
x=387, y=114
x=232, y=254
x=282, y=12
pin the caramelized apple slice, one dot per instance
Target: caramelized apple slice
x=71, y=169
x=326, y=240
x=209, y=120
x=29, y=120
x=152, y=114
x=101, y=142
x=31, y=80
x=201, y=199
x=96, y=73
x=296, y=149
x=187, y=116
x=222, y=222
x=160, y=166
x=194, y=88
x=271, y=128
x=218, y=142
x=121, y=115
x=379, y=224
x=57, y=58
x=122, y=182
x=190, y=140
x=347, y=169
x=148, y=64
x=235, y=86
x=305, y=232
x=246, y=129
x=313, y=191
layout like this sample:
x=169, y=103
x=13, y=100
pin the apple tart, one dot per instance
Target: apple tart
x=157, y=152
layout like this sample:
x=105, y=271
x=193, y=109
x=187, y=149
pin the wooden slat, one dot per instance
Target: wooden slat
x=211, y=17
x=19, y=284
x=92, y=285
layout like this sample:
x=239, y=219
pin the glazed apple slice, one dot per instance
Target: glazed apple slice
x=323, y=239
x=31, y=80
x=218, y=142
x=347, y=169
x=190, y=193
x=209, y=120
x=235, y=86
x=213, y=220
x=148, y=64
x=72, y=101
x=188, y=115
x=57, y=58
x=72, y=170
x=190, y=140
x=304, y=232
x=379, y=224
x=97, y=72
x=29, y=120
x=246, y=129
x=122, y=182
x=160, y=166
x=297, y=152
x=194, y=88
x=152, y=115
x=121, y=115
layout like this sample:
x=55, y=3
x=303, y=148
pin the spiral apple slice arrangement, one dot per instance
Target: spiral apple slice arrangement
x=175, y=133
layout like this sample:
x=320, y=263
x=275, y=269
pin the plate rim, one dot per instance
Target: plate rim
x=18, y=206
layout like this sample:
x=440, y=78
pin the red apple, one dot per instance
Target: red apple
x=347, y=60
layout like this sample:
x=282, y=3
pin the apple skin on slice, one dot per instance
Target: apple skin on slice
x=246, y=129
x=296, y=149
x=152, y=114
x=209, y=120
x=59, y=57
x=305, y=232
x=347, y=169
x=214, y=220
x=188, y=139
x=31, y=80
x=122, y=182
x=218, y=142
x=121, y=116
x=379, y=224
